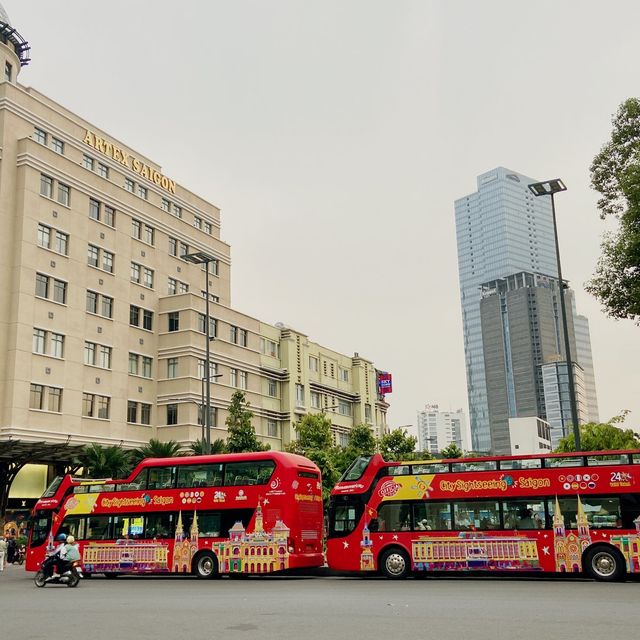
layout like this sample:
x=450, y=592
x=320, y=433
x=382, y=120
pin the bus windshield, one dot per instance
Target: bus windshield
x=355, y=469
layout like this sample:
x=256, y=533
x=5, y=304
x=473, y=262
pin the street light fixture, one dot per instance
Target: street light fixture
x=201, y=257
x=549, y=188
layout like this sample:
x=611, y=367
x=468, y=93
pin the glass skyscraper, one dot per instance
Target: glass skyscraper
x=501, y=229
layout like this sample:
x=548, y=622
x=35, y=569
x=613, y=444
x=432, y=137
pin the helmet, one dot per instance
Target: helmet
x=61, y=537
x=70, y=539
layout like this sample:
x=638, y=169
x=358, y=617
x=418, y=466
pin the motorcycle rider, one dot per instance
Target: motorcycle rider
x=61, y=538
x=68, y=555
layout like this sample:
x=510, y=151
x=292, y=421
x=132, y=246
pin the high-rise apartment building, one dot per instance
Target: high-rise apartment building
x=102, y=320
x=503, y=232
x=438, y=429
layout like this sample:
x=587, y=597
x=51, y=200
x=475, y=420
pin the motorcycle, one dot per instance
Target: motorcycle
x=20, y=555
x=70, y=577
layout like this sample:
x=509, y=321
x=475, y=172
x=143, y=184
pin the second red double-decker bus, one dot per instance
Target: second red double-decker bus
x=568, y=513
x=248, y=513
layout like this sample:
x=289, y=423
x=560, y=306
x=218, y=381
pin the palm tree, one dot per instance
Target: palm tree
x=197, y=448
x=105, y=462
x=157, y=449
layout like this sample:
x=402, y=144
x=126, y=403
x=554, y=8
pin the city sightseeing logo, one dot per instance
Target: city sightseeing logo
x=389, y=489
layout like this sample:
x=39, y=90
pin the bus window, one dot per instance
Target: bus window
x=200, y=475
x=83, y=488
x=126, y=527
x=161, y=525
x=523, y=514
x=551, y=463
x=73, y=525
x=53, y=487
x=630, y=506
x=402, y=470
x=251, y=472
x=635, y=458
x=436, y=467
x=487, y=465
x=533, y=463
x=97, y=528
x=344, y=514
x=476, y=516
x=432, y=516
x=596, y=461
x=602, y=513
x=40, y=526
x=356, y=469
x=209, y=523
x=394, y=516
x=162, y=478
x=99, y=488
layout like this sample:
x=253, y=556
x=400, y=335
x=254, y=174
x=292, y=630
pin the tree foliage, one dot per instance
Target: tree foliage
x=615, y=174
x=241, y=433
x=105, y=462
x=198, y=447
x=452, y=451
x=156, y=449
x=397, y=444
x=361, y=442
x=604, y=436
x=316, y=443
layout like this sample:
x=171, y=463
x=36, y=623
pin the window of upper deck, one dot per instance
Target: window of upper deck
x=534, y=463
x=162, y=478
x=250, y=472
x=486, y=465
x=436, y=467
x=53, y=487
x=356, y=469
x=552, y=463
x=200, y=475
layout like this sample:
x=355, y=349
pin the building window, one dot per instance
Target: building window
x=92, y=302
x=214, y=267
x=197, y=222
x=136, y=229
x=42, y=286
x=95, y=406
x=147, y=320
x=36, y=395
x=299, y=395
x=46, y=186
x=44, y=236
x=104, y=357
x=183, y=287
x=149, y=234
x=109, y=216
x=313, y=363
x=213, y=370
x=107, y=307
x=165, y=205
x=272, y=388
x=173, y=247
x=148, y=277
x=172, y=414
x=134, y=315
x=140, y=365
x=93, y=254
x=344, y=408
x=40, y=136
x=272, y=429
x=103, y=170
x=87, y=162
x=367, y=413
x=55, y=399
x=315, y=400
x=174, y=321
x=172, y=368
x=146, y=366
x=61, y=244
x=132, y=411
x=133, y=364
x=94, y=209
x=57, y=345
x=233, y=377
x=142, y=192
x=172, y=286
x=107, y=261
x=129, y=185
x=343, y=374
x=177, y=211
x=207, y=227
x=99, y=304
x=64, y=194
x=242, y=379
x=145, y=413
x=39, y=341
x=135, y=272
x=269, y=347
x=183, y=249
x=213, y=325
x=238, y=336
x=57, y=145
x=59, y=291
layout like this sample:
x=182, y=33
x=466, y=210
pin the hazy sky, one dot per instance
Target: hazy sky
x=335, y=136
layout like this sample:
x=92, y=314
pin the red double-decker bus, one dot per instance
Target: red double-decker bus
x=575, y=513
x=247, y=513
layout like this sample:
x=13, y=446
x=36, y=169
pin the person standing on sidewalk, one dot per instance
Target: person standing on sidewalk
x=3, y=553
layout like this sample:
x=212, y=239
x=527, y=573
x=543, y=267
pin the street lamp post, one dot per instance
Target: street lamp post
x=201, y=257
x=549, y=188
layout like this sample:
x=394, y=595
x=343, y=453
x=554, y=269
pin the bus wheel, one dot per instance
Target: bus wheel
x=395, y=563
x=205, y=565
x=604, y=563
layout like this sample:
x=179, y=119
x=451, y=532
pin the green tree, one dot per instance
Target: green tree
x=241, y=433
x=397, y=445
x=197, y=447
x=156, y=449
x=105, y=462
x=452, y=451
x=361, y=443
x=316, y=443
x=604, y=436
x=615, y=174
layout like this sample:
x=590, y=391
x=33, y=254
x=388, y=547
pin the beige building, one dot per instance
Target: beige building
x=102, y=322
